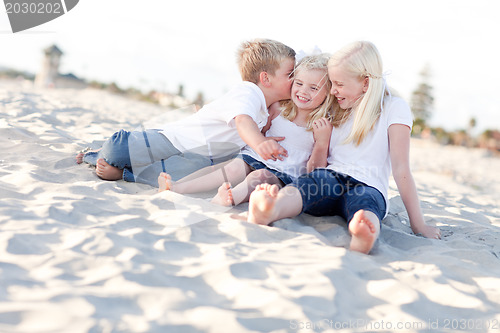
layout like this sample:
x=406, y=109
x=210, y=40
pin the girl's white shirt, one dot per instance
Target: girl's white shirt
x=370, y=162
x=298, y=142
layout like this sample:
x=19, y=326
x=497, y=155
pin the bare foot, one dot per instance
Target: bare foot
x=164, y=182
x=106, y=171
x=81, y=154
x=261, y=204
x=79, y=158
x=364, y=230
x=224, y=196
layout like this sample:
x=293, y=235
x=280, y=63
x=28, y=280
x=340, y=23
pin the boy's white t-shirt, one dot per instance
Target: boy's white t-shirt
x=370, y=162
x=298, y=142
x=214, y=122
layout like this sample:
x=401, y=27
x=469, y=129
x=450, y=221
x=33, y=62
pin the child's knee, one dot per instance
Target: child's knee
x=116, y=149
x=120, y=137
x=262, y=176
x=235, y=167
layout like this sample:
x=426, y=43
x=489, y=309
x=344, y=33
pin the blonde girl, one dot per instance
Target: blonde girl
x=304, y=123
x=371, y=137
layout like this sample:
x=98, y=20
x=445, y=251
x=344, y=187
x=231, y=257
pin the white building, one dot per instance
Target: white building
x=49, y=76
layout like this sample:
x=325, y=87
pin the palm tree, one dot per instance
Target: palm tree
x=422, y=100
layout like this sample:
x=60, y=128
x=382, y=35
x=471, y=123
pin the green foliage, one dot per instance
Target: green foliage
x=418, y=126
x=200, y=99
x=14, y=74
x=422, y=100
x=113, y=87
x=180, y=92
x=472, y=122
x=441, y=135
x=487, y=134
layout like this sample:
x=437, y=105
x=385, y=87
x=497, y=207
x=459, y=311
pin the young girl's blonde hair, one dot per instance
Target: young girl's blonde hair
x=362, y=60
x=313, y=62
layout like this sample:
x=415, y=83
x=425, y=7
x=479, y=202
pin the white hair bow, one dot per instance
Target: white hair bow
x=301, y=54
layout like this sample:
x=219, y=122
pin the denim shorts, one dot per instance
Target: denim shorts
x=257, y=165
x=327, y=192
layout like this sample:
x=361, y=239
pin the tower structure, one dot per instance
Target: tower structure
x=49, y=72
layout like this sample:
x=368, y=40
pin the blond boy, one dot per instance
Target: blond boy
x=212, y=135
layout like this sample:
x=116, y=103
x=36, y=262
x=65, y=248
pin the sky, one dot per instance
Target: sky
x=158, y=44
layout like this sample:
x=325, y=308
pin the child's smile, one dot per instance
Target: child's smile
x=308, y=89
x=346, y=88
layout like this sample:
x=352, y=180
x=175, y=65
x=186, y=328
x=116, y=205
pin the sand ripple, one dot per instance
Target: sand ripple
x=78, y=254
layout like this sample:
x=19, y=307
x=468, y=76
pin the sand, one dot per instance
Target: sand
x=78, y=254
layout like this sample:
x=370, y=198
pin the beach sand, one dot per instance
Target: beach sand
x=78, y=254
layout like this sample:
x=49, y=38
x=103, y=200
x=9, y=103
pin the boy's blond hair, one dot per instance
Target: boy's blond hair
x=362, y=60
x=261, y=55
x=314, y=62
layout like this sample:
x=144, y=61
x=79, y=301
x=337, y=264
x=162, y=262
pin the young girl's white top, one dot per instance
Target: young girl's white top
x=370, y=162
x=298, y=142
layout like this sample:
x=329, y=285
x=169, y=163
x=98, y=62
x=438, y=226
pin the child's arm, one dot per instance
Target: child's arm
x=322, y=131
x=267, y=147
x=399, y=142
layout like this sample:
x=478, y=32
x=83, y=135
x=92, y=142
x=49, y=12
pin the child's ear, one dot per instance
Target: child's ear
x=264, y=78
x=366, y=83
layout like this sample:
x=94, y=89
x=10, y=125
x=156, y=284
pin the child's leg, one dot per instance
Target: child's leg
x=268, y=203
x=107, y=172
x=115, y=151
x=365, y=229
x=208, y=178
x=205, y=171
x=112, y=158
x=364, y=208
x=164, y=182
x=241, y=192
x=141, y=153
x=134, y=150
x=316, y=193
x=224, y=196
x=81, y=155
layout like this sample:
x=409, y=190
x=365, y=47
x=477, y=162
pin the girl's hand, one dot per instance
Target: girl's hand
x=270, y=149
x=322, y=130
x=427, y=231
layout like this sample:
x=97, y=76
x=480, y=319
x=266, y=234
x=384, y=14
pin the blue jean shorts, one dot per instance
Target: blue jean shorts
x=327, y=192
x=257, y=165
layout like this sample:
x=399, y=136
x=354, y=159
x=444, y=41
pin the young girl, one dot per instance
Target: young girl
x=372, y=131
x=303, y=122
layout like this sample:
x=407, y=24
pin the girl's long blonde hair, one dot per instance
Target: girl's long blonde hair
x=362, y=60
x=289, y=109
